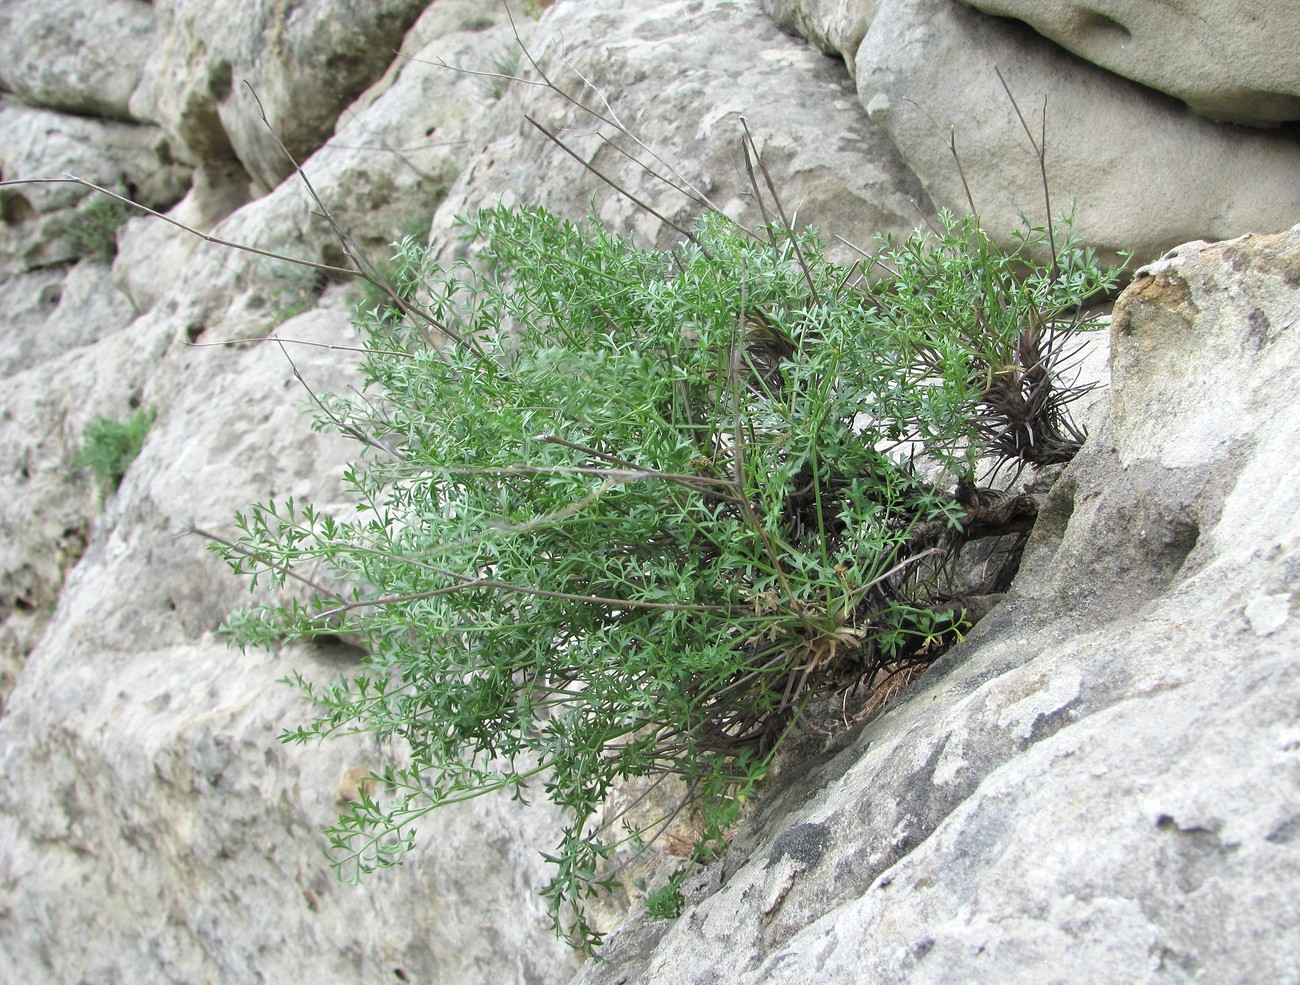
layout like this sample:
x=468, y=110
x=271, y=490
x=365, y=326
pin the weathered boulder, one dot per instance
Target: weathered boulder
x=45, y=522
x=54, y=304
x=46, y=504
x=78, y=56
x=305, y=62
x=1106, y=776
x=1228, y=61
x=40, y=221
x=153, y=744
x=1146, y=173
x=835, y=26
x=152, y=254
x=49, y=312
x=381, y=176
x=144, y=751
x=681, y=80
x=392, y=157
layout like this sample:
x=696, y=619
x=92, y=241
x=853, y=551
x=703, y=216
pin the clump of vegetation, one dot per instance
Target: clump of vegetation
x=92, y=233
x=667, y=902
x=109, y=447
x=626, y=513
x=393, y=286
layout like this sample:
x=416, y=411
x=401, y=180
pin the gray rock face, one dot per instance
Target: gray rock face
x=38, y=143
x=835, y=26
x=1147, y=174
x=1228, y=61
x=50, y=312
x=1106, y=777
x=79, y=56
x=162, y=782
x=151, y=255
x=681, y=79
x=45, y=525
x=154, y=746
x=305, y=62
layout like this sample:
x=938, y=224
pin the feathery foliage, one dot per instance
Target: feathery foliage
x=647, y=505
x=109, y=447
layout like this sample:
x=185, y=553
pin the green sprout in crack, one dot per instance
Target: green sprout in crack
x=109, y=447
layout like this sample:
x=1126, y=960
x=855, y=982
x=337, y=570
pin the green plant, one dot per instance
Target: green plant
x=92, y=232
x=667, y=902
x=396, y=280
x=626, y=513
x=640, y=508
x=109, y=447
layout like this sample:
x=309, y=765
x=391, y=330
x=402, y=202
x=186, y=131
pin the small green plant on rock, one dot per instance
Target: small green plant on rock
x=667, y=902
x=92, y=232
x=109, y=447
x=626, y=512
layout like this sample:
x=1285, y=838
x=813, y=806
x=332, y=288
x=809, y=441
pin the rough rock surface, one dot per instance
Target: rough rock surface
x=1227, y=60
x=52, y=311
x=1147, y=174
x=38, y=143
x=152, y=829
x=835, y=26
x=152, y=254
x=142, y=753
x=303, y=61
x=1105, y=780
x=681, y=78
x=80, y=56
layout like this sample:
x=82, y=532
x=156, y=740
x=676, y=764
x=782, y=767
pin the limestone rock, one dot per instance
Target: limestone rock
x=46, y=504
x=53, y=306
x=1227, y=61
x=143, y=752
x=50, y=312
x=1147, y=174
x=35, y=143
x=152, y=254
x=141, y=749
x=381, y=175
x=44, y=524
x=78, y=56
x=681, y=79
x=835, y=26
x=305, y=62
x=1107, y=775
